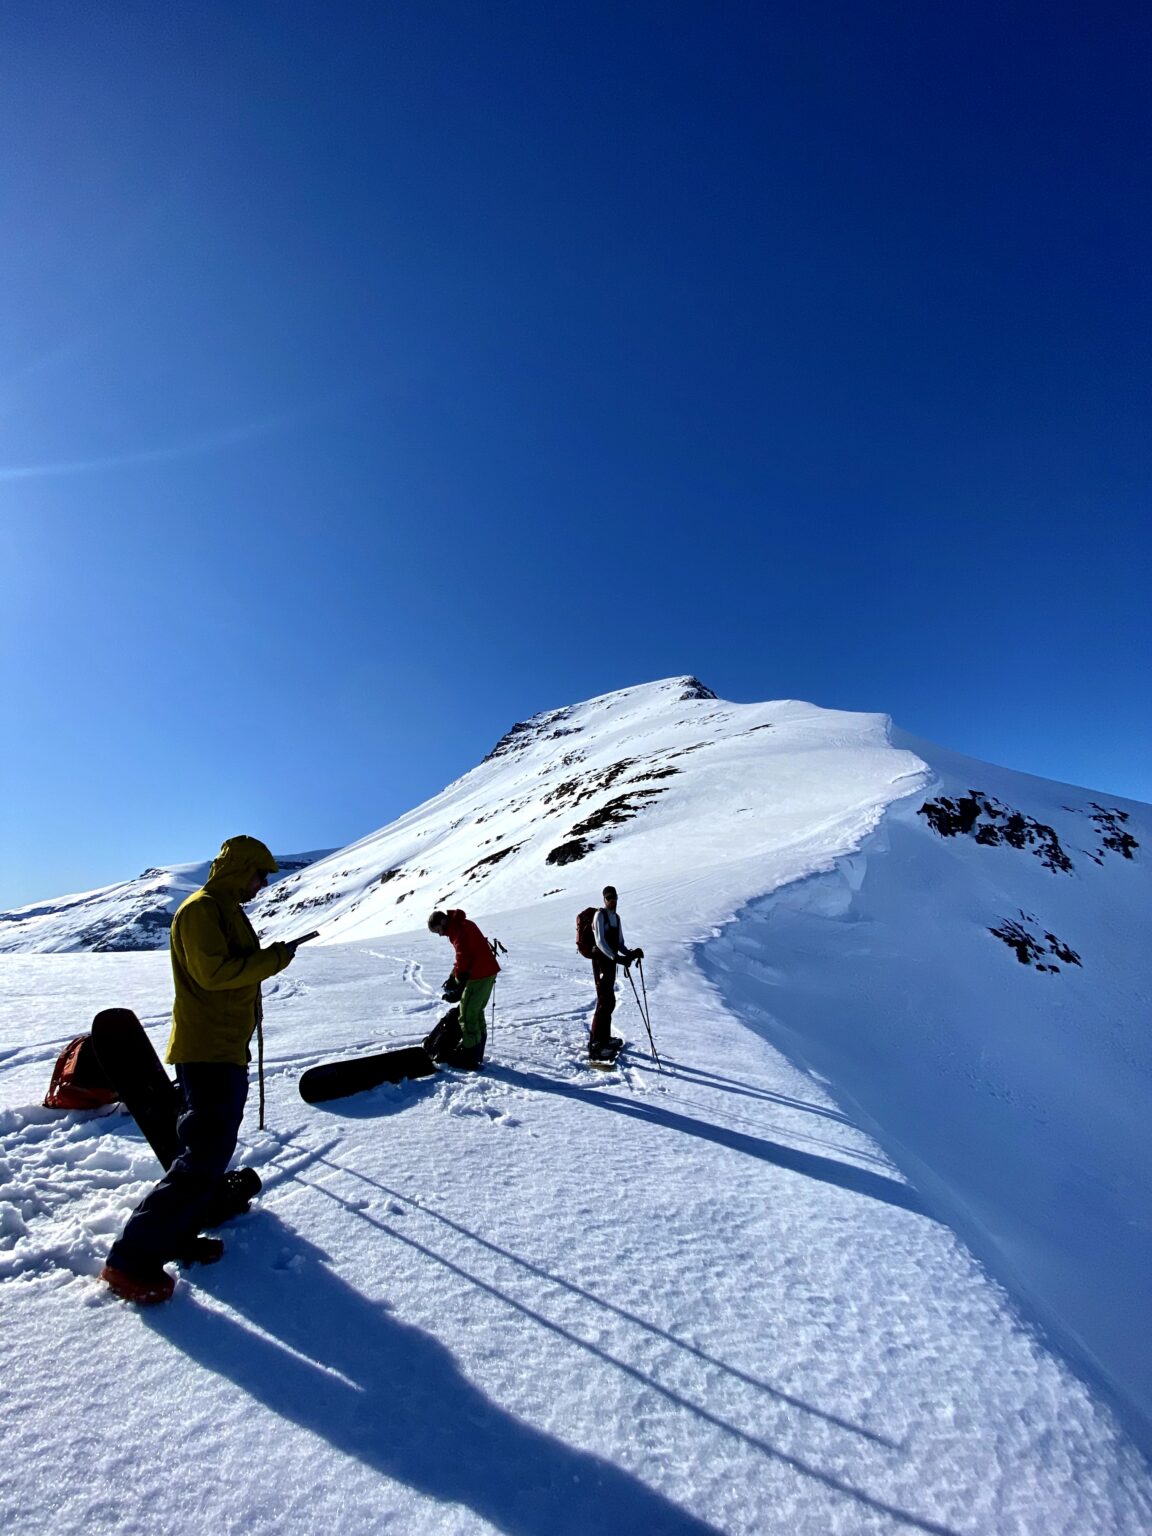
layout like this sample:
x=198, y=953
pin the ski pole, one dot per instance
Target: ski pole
x=643, y=1013
x=644, y=989
x=260, y=1057
x=497, y=949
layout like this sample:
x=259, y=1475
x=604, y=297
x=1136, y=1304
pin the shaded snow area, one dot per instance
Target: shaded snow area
x=866, y=1254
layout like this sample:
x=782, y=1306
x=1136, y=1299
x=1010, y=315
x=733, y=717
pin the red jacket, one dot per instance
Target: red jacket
x=474, y=957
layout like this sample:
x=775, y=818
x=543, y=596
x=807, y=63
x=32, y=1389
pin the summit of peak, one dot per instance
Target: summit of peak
x=566, y=721
x=693, y=688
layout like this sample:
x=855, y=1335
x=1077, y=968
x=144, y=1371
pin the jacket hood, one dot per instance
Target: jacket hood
x=238, y=860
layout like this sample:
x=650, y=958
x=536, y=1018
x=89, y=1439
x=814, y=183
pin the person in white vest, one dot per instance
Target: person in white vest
x=610, y=951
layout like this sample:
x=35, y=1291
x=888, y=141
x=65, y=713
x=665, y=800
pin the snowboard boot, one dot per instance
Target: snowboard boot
x=200, y=1250
x=470, y=1058
x=234, y=1196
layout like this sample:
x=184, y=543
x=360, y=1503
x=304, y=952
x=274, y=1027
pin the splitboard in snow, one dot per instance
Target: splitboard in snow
x=339, y=1079
x=606, y=1063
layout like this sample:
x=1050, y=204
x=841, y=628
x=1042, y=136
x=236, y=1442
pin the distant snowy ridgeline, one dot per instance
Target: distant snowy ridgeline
x=136, y=914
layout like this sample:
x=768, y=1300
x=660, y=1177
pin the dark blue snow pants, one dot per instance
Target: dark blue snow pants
x=167, y=1218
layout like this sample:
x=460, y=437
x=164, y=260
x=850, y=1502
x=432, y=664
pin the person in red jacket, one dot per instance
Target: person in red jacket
x=470, y=984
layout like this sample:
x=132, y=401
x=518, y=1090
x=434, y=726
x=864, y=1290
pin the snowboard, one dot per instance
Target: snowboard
x=606, y=1063
x=340, y=1079
x=154, y=1101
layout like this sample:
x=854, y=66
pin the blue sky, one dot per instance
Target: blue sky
x=373, y=376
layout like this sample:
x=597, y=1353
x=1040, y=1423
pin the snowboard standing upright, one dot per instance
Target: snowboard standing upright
x=154, y=1102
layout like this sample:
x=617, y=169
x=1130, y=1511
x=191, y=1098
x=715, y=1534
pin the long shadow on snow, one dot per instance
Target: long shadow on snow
x=586, y=1295
x=806, y=1469
x=676, y=1068
x=392, y=1396
x=874, y=1185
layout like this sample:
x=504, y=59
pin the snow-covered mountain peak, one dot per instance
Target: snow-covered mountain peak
x=643, y=786
x=619, y=707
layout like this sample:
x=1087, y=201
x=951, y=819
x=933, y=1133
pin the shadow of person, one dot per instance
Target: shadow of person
x=385, y=1392
x=860, y=1181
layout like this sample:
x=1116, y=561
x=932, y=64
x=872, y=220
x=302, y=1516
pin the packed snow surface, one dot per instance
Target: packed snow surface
x=819, y=1270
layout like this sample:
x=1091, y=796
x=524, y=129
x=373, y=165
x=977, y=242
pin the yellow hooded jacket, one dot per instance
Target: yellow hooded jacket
x=217, y=962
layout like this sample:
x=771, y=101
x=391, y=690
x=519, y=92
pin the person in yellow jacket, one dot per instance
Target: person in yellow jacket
x=217, y=968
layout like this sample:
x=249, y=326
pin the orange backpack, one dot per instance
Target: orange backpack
x=78, y=1079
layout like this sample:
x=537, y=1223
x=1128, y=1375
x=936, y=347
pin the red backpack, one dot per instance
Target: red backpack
x=78, y=1080
x=585, y=942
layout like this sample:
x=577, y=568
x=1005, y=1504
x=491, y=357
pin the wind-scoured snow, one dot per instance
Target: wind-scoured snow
x=867, y=1254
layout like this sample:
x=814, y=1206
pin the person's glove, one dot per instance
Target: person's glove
x=453, y=990
x=637, y=954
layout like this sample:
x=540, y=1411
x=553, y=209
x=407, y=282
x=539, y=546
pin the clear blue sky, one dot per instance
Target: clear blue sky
x=373, y=376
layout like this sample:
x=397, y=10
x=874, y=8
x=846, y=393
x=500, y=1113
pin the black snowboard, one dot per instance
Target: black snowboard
x=339, y=1079
x=153, y=1100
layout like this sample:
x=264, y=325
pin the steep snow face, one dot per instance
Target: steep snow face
x=970, y=982
x=134, y=914
x=662, y=789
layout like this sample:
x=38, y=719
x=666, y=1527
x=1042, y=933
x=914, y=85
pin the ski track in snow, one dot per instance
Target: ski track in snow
x=548, y=1300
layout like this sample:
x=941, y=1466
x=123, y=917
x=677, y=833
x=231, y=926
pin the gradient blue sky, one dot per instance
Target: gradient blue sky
x=374, y=376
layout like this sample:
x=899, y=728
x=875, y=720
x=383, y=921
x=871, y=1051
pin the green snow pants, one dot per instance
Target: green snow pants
x=472, y=1003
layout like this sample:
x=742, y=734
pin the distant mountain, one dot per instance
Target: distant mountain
x=135, y=914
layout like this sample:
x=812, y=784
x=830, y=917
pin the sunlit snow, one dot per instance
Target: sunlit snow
x=870, y=1253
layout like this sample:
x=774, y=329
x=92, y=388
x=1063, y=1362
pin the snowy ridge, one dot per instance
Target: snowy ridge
x=798, y=1280
x=984, y=950
x=639, y=787
x=133, y=914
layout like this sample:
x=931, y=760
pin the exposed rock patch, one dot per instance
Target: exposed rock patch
x=693, y=688
x=1110, y=825
x=991, y=823
x=623, y=808
x=1031, y=949
x=491, y=859
x=568, y=853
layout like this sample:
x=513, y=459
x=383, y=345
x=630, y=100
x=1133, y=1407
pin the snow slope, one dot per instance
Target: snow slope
x=982, y=1010
x=729, y=1295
